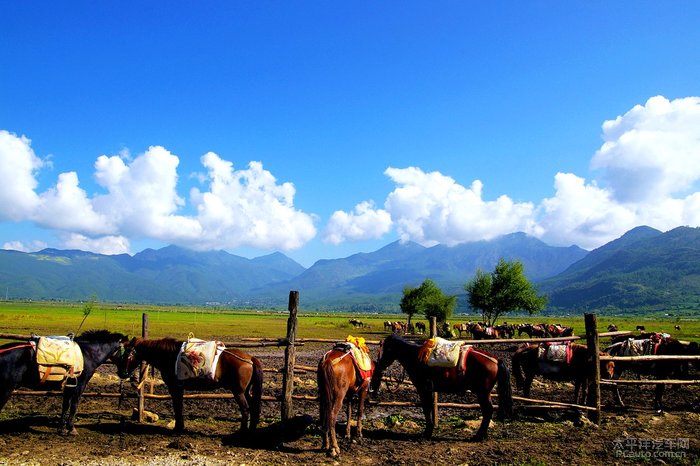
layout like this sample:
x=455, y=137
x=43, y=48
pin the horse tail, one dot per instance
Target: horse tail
x=505, y=391
x=326, y=397
x=256, y=392
x=517, y=372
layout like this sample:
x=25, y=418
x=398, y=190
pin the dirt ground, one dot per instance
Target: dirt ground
x=392, y=435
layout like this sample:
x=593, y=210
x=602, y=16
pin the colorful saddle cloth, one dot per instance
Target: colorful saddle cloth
x=58, y=358
x=555, y=352
x=198, y=359
x=438, y=352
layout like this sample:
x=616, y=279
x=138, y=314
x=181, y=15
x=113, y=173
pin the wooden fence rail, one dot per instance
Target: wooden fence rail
x=290, y=342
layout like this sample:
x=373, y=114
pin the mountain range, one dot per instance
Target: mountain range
x=644, y=268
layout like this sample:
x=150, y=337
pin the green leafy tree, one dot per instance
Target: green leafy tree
x=506, y=289
x=427, y=299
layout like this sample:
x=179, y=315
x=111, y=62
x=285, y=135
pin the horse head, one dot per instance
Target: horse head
x=387, y=355
x=130, y=358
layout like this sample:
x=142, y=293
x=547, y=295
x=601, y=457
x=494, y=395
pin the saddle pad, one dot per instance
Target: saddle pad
x=632, y=347
x=441, y=352
x=58, y=357
x=555, y=352
x=198, y=359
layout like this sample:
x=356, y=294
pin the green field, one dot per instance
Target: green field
x=48, y=318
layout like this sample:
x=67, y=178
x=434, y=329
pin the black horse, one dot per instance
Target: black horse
x=18, y=368
x=662, y=369
x=482, y=373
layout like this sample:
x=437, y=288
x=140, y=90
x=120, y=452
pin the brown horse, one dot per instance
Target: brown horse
x=463, y=327
x=482, y=373
x=531, y=330
x=483, y=332
x=576, y=369
x=338, y=378
x=237, y=371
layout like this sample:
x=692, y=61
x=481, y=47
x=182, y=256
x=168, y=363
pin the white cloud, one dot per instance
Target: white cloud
x=103, y=245
x=582, y=214
x=364, y=223
x=432, y=208
x=21, y=246
x=18, y=165
x=652, y=151
x=242, y=208
x=248, y=208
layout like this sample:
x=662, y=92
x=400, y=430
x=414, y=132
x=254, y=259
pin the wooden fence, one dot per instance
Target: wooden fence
x=290, y=343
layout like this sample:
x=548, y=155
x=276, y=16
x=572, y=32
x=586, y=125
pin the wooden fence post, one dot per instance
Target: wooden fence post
x=433, y=334
x=594, y=357
x=143, y=370
x=289, y=357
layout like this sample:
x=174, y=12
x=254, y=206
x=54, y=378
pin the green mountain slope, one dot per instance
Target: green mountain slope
x=643, y=270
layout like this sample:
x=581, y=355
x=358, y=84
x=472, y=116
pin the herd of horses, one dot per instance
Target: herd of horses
x=338, y=376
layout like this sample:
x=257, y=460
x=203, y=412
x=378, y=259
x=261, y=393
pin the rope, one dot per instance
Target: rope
x=240, y=358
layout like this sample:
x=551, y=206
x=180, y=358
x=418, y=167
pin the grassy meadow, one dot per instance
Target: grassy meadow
x=49, y=318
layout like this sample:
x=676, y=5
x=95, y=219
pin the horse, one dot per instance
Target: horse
x=18, y=367
x=388, y=325
x=420, y=327
x=507, y=330
x=532, y=330
x=236, y=371
x=658, y=369
x=482, y=373
x=464, y=327
x=338, y=379
x=397, y=327
x=356, y=323
x=556, y=330
x=526, y=360
x=640, y=328
x=612, y=328
x=482, y=332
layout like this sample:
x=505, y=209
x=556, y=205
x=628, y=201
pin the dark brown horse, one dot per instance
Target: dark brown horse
x=532, y=330
x=339, y=379
x=463, y=327
x=482, y=373
x=236, y=371
x=664, y=369
x=483, y=332
x=526, y=359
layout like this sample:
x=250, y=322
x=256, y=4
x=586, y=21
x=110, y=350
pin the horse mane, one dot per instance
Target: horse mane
x=100, y=336
x=167, y=344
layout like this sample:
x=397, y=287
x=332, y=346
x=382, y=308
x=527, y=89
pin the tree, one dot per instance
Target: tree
x=429, y=300
x=506, y=289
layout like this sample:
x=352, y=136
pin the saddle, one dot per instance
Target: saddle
x=449, y=358
x=359, y=352
x=555, y=352
x=59, y=359
x=198, y=359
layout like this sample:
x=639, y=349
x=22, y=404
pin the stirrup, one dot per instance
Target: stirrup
x=71, y=382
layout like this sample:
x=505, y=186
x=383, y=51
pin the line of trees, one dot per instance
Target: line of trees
x=504, y=290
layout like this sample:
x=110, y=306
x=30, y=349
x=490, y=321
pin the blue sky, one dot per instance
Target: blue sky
x=322, y=129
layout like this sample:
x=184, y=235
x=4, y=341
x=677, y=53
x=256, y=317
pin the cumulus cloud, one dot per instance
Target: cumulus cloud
x=364, y=223
x=652, y=151
x=140, y=199
x=18, y=166
x=248, y=208
x=432, y=208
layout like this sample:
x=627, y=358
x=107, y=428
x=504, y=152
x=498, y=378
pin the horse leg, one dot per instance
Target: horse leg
x=658, y=397
x=349, y=418
x=177, y=394
x=427, y=400
x=335, y=407
x=244, y=408
x=484, y=399
x=361, y=409
x=69, y=408
x=616, y=389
